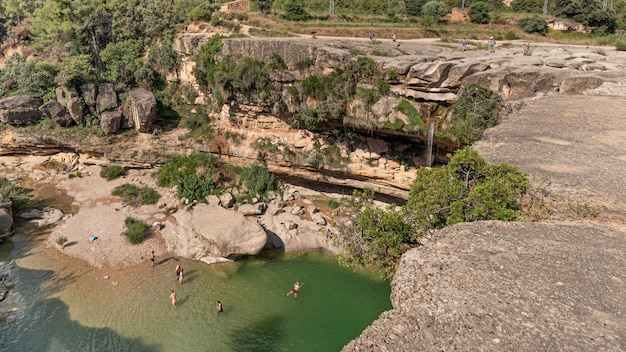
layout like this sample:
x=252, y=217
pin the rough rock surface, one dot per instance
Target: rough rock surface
x=497, y=286
x=20, y=109
x=110, y=121
x=212, y=231
x=56, y=112
x=140, y=109
x=489, y=286
x=107, y=98
x=70, y=98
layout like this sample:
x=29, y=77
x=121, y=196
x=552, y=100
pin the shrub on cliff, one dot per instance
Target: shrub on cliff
x=467, y=189
x=476, y=109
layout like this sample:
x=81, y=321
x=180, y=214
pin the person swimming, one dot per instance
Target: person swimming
x=296, y=287
x=219, y=307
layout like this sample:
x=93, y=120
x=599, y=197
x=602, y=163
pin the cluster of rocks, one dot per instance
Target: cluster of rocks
x=133, y=109
x=220, y=229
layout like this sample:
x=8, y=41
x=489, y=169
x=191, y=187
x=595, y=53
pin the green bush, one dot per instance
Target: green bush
x=13, y=195
x=111, y=172
x=312, y=119
x=467, y=189
x=411, y=112
x=534, y=24
x=479, y=12
x=134, y=195
x=333, y=204
x=61, y=240
x=295, y=11
x=135, y=230
x=620, y=45
x=258, y=180
x=194, y=175
x=476, y=109
x=434, y=8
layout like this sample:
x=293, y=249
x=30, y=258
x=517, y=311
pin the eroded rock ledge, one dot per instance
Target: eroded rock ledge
x=496, y=286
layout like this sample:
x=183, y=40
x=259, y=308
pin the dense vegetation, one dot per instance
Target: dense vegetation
x=199, y=175
x=467, y=189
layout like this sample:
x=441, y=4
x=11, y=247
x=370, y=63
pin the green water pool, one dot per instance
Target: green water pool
x=65, y=305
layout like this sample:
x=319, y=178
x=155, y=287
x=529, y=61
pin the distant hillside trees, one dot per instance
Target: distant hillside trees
x=265, y=6
x=479, y=13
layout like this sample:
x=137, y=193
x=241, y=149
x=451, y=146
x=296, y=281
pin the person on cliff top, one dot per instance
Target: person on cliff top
x=296, y=287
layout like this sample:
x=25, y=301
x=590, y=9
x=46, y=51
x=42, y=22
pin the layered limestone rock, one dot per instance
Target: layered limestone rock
x=497, y=286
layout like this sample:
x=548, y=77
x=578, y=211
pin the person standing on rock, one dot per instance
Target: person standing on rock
x=371, y=36
x=152, y=257
x=296, y=287
x=464, y=43
x=492, y=45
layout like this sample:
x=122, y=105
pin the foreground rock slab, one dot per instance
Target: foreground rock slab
x=495, y=286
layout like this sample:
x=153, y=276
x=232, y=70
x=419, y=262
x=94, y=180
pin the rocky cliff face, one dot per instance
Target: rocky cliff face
x=426, y=74
x=557, y=285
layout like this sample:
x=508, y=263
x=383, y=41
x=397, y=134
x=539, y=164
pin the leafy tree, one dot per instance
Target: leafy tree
x=122, y=60
x=76, y=70
x=20, y=77
x=163, y=57
x=414, y=7
x=295, y=11
x=534, y=24
x=479, y=12
x=467, y=189
x=530, y=6
x=476, y=109
x=434, y=8
x=265, y=6
x=374, y=237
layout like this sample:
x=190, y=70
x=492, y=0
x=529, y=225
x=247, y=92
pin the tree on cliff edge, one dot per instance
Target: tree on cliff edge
x=265, y=6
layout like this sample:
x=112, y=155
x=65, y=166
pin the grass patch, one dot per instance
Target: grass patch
x=61, y=240
x=333, y=204
x=135, y=230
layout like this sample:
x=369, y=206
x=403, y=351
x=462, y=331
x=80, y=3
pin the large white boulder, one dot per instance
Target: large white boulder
x=212, y=231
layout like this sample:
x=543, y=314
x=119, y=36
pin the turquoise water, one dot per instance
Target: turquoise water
x=66, y=305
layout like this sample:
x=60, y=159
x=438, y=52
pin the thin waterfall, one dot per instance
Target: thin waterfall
x=429, y=150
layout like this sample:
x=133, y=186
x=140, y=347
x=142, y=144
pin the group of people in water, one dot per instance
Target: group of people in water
x=180, y=275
